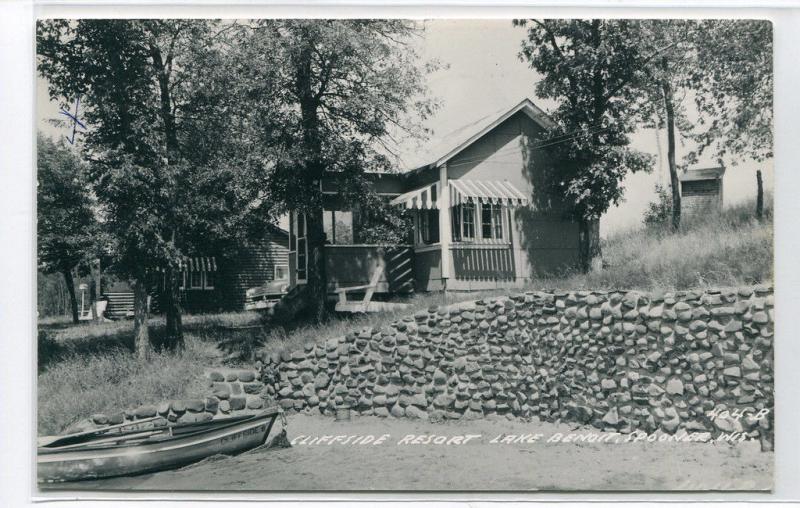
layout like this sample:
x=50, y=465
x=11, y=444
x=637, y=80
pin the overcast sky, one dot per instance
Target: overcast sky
x=482, y=74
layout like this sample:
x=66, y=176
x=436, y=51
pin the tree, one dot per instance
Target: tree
x=726, y=66
x=733, y=85
x=593, y=69
x=672, y=40
x=346, y=87
x=65, y=219
x=157, y=103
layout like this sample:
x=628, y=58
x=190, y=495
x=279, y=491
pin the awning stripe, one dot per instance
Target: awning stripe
x=489, y=191
x=462, y=191
x=423, y=198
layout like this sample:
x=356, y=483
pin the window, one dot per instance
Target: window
x=491, y=221
x=209, y=280
x=464, y=222
x=181, y=281
x=281, y=272
x=338, y=227
x=195, y=279
x=301, y=248
x=428, y=226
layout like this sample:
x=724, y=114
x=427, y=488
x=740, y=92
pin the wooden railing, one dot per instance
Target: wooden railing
x=354, y=265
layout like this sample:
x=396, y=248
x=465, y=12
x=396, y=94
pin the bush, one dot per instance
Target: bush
x=659, y=212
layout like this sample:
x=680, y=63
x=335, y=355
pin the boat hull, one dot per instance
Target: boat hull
x=105, y=462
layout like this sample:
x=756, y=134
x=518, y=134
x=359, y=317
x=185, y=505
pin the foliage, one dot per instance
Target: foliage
x=733, y=84
x=157, y=107
x=592, y=69
x=381, y=223
x=659, y=212
x=344, y=88
x=65, y=220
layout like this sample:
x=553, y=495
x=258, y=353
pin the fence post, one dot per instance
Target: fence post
x=759, y=196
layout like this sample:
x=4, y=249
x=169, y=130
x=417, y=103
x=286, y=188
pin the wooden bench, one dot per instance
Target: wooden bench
x=366, y=304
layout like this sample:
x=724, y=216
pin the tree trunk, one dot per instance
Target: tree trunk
x=588, y=243
x=141, y=335
x=317, y=282
x=317, y=285
x=173, y=332
x=759, y=196
x=666, y=88
x=94, y=289
x=73, y=301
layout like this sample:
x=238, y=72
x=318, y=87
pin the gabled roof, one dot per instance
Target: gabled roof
x=453, y=143
x=692, y=175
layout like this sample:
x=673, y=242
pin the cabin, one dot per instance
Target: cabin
x=213, y=283
x=701, y=190
x=484, y=215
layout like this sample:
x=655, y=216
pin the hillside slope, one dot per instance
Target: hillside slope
x=727, y=249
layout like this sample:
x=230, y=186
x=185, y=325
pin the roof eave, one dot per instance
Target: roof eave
x=535, y=114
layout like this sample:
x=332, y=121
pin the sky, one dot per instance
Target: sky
x=480, y=74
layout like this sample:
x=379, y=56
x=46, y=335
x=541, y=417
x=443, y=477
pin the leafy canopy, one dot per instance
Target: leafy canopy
x=592, y=69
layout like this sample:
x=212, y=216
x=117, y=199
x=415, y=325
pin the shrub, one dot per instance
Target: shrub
x=659, y=212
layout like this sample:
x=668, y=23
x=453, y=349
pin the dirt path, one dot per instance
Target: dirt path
x=477, y=464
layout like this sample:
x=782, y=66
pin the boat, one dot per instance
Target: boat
x=122, y=450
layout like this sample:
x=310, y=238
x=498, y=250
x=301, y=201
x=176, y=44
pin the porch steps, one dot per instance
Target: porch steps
x=120, y=305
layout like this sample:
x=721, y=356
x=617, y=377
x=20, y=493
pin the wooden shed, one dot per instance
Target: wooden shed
x=701, y=190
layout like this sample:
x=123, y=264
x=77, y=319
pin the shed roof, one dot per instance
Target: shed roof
x=454, y=142
x=693, y=175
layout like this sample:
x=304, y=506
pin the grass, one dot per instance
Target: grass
x=722, y=250
x=89, y=368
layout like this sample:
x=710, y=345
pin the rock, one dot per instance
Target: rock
x=608, y=384
x=732, y=372
x=216, y=376
x=99, y=419
x=212, y=404
x=321, y=381
x=195, y=405
x=255, y=402
x=253, y=388
x=116, y=418
x=195, y=417
x=415, y=412
x=222, y=392
x=611, y=417
x=675, y=386
x=398, y=411
x=146, y=411
x=238, y=403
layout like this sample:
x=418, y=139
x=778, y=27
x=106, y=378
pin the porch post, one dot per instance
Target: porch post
x=443, y=203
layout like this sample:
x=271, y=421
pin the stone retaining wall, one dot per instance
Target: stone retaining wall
x=231, y=392
x=618, y=360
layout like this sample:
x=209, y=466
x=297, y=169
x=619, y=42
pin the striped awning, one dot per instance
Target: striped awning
x=199, y=264
x=464, y=191
x=487, y=191
x=421, y=199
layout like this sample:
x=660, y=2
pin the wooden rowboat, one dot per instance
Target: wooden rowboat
x=117, y=452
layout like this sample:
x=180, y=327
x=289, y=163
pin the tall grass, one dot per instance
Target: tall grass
x=725, y=249
x=82, y=384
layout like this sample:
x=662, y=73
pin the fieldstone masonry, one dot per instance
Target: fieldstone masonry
x=619, y=361
x=231, y=392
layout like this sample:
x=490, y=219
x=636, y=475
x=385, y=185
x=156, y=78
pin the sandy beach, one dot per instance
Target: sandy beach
x=380, y=454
